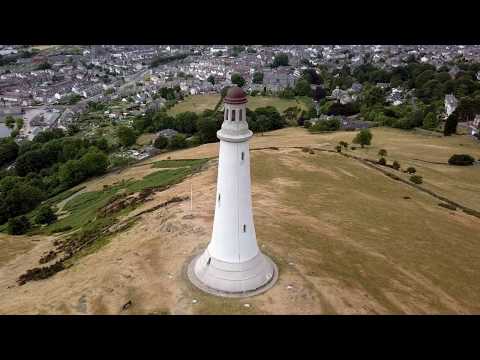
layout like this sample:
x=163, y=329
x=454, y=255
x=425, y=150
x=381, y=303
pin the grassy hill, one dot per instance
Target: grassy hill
x=199, y=103
x=347, y=239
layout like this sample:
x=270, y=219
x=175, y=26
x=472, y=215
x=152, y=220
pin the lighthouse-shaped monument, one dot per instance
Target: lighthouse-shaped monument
x=232, y=264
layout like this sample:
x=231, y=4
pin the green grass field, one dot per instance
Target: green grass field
x=82, y=209
x=199, y=103
x=164, y=164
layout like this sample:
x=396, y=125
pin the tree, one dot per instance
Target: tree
x=177, y=141
x=161, y=142
x=326, y=125
x=262, y=123
x=364, y=137
x=207, y=129
x=237, y=79
x=18, y=225
x=94, y=162
x=430, y=122
x=287, y=93
x=319, y=93
x=73, y=172
x=31, y=161
x=44, y=66
x=72, y=129
x=302, y=88
x=19, y=123
x=373, y=96
x=416, y=179
x=186, y=122
x=45, y=215
x=301, y=119
x=451, y=124
x=291, y=113
x=126, y=136
x=9, y=121
x=382, y=161
x=211, y=79
x=162, y=121
x=272, y=120
x=8, y=151
x=48, y=135
x=311, y=76
x=14, y=134
x=382, y=152
x=280, y=59
x=20, y=199
x=343, y=109
x=257, y=77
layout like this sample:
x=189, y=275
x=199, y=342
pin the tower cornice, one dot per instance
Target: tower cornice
x=225, y=135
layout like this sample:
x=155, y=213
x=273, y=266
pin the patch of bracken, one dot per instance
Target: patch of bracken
x=52, y=254
x=175, y=199
x=40, y=273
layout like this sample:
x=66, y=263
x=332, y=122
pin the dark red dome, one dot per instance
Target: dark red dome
x=235, y=95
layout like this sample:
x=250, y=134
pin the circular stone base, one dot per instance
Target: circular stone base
x=199, y=284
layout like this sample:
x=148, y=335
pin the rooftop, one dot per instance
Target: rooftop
x=235, y=95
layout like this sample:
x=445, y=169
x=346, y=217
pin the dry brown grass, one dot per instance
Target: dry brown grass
x=342, y=234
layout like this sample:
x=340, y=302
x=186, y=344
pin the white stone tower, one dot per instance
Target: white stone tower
x=232, y=264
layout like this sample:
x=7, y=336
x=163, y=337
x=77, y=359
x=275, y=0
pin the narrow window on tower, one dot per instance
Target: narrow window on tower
x=244, y=228
x=226, y=114
x=218, y=199
x=240, y=115
x=209, y=260
x=243, y=156
x=233, y=115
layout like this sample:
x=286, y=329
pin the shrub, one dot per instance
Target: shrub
x=451, y=124
x=344, y=144
x=126, y=136
x=382, y=161
x=307, y=124
x=416, y=179
x=396, y=165
x=327, y=125
x=177, y=141
x=411, y=170
x=364, y=137
x=382, y=152
x=160, y=142
x=353, y=147
x=306, y=149
x=18, y=225
x=45, y=215
x=338, y=148
x=461, y=160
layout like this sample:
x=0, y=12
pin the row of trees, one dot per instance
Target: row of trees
x=202, y=127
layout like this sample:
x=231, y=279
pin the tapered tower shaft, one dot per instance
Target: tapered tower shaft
x=232, y=262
